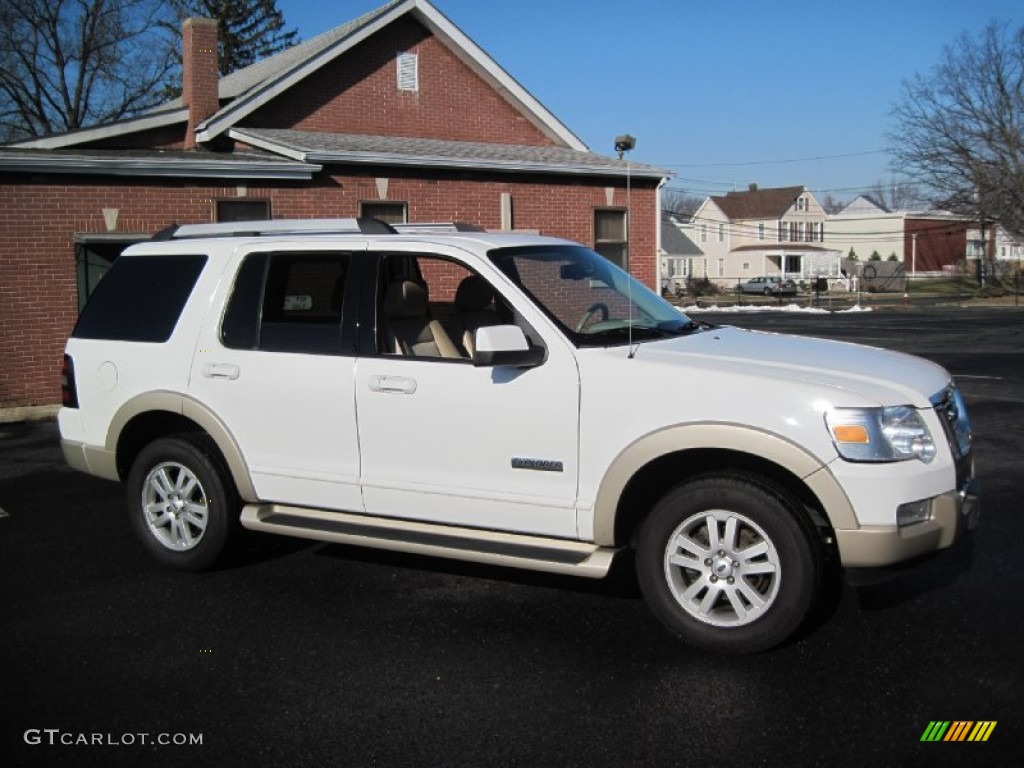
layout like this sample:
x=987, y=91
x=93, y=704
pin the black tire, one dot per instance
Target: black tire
x=785, y=578
x=182, y=524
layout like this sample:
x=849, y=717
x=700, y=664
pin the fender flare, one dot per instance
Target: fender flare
x=718, y=436
x=182, y=405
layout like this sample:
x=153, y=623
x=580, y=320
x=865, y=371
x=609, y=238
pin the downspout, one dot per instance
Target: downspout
x=657, y=234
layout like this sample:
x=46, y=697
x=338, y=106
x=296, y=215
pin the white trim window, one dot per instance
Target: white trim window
x=611, y=237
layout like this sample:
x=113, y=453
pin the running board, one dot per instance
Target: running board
x=533, y=553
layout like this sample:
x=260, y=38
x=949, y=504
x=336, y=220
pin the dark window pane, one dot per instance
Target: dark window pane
x=140, y=298
x=609, y=225
x=241, y=326
x=243, y=210
x=391, y=213
x=302, y=303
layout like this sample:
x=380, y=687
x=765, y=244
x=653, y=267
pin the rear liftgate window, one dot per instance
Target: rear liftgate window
x=140, y=298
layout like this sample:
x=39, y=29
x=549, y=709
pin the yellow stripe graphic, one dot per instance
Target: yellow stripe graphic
x=982, y=730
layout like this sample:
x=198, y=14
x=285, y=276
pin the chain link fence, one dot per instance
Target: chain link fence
x=870, y=283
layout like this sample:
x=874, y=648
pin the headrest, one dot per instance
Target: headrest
x=405, y=299
x=473, y=293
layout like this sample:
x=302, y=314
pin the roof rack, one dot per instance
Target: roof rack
x=365, y=226
x=439, y=227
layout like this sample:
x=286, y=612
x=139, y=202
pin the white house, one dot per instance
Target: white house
x=764, y=232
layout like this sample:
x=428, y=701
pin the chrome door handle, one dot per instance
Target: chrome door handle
x=221, y=371
x=392, y=385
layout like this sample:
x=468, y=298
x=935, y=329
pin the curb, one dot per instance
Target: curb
x=28, y=413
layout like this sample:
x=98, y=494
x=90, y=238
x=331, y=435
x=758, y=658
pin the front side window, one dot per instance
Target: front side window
x=591, y=300
x=287, y=302
x=430, y=308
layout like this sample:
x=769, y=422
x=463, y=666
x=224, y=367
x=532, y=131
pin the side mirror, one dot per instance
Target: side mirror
x=505, y=345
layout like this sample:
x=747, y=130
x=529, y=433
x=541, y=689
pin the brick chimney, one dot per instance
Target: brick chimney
x=199, y=87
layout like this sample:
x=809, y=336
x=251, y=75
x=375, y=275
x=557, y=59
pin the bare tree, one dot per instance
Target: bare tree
x=960, y=128
x=895, y=195
x=680, y=202
x=69, y=64
x=831, y=205
x=248, y=30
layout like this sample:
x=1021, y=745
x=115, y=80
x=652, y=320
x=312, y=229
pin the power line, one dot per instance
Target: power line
x=776, y=162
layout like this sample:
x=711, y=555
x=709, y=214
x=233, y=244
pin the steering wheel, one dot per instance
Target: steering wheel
x=598, y=307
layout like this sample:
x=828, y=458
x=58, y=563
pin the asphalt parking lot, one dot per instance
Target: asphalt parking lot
x=308, y=654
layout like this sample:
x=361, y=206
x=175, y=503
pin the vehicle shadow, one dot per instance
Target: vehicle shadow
x=619, y=583
x=891, y=588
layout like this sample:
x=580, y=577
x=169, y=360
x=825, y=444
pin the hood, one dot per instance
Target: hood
x=880, y=376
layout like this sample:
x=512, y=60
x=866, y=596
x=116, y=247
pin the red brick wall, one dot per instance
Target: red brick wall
x=40, y=216
x=358, y=93
x=939, y=243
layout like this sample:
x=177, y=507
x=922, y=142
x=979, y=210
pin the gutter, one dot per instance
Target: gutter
x=170, y=167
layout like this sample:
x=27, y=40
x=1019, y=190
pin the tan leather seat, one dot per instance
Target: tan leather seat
x=411, y=331
x=474, y=308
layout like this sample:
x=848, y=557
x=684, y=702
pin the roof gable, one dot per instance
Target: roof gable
x=248, y=89
x=758, y=203
x=256, y=85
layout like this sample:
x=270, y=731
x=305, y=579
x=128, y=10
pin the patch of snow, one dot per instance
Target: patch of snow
x=737, y=308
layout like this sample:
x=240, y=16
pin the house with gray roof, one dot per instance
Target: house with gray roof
x=680, y=257
x=397, y=114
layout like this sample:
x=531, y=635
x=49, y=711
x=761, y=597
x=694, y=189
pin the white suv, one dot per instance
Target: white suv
x=505, y=399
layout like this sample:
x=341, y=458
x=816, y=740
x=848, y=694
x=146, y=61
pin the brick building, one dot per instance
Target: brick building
x=396, y=115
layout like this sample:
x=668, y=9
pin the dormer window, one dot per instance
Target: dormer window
x=408, y=72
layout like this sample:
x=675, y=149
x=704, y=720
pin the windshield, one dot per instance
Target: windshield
x=593, y=300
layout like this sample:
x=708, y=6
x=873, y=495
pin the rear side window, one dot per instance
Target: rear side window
x=140, y=298
x=287, y=302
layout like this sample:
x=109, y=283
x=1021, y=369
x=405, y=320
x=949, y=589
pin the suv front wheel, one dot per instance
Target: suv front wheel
x=182, y=503
x=729, y=563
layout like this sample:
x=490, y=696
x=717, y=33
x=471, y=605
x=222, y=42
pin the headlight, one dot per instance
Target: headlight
x=896, y=433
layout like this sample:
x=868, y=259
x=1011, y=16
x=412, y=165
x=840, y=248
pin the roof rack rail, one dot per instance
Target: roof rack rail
x=437, y=227
x=365, y=226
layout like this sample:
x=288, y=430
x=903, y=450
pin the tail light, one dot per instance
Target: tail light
x=68, y=391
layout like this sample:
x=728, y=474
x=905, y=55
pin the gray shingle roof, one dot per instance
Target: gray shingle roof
x=240, y=81
x=395, y=150
x=674, y=242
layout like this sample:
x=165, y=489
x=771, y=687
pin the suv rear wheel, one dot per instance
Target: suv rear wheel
x=182, y=503
x=729, y=563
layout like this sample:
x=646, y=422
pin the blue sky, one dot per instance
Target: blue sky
x=721, y=93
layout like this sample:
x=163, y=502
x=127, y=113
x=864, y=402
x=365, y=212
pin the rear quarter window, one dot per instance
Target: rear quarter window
x=140, y=298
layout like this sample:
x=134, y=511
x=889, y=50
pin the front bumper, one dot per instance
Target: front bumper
x=952, y=515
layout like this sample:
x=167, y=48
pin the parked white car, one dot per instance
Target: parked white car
x=768, y=286
x=506, y=399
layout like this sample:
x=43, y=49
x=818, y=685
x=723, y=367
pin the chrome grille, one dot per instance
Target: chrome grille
x=949, y=404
